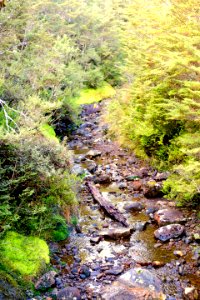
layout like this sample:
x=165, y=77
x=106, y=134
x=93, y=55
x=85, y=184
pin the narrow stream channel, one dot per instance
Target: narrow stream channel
x=174, y=262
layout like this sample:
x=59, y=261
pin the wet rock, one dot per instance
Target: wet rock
x=136, y=284
x=139, y=226
x=93, y=153
x=168, y=232
x=152, y=189
x=168, y=216
x=69, y=293
x=46, y=281
x=134, y=206
x=151, y=210
x=116, y=233
x=114, y=271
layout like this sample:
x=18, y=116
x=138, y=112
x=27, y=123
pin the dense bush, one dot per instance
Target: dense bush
x=49, y=52
x=160, y=113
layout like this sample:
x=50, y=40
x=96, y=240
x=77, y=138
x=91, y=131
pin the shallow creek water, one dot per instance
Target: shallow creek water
x=141, y=248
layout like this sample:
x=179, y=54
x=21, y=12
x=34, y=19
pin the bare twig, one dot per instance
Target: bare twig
x=8, y=119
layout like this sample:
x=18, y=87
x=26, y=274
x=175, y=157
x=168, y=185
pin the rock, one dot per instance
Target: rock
x=168, y=216
x=114, y=271
x=151, y=210
x=179, y=253
x=138, y=277
x=134, y=206
x=168, y=232
x=95, y=240
x=84, y=270
x=119, y=249
x=139, y=226
x=90, y=165
x=137, y=185
x=162, y=176
x=102, y=179
x=77, y=170
x=93, y=153
x=122, y=185
x=152, y=189
x=136, y=284
x=75, y=144
x=69, y=293
x=116, y=233
x=46, y=281
x=157, y=264
x=80, y=158
x=190, y=293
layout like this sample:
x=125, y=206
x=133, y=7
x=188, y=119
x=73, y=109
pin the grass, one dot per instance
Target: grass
x=26, y=256
x=89, y=96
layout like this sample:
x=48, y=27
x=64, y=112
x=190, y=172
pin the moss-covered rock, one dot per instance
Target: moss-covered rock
x=26, y=256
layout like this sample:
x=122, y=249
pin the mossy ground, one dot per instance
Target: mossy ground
x=89, y=96
x=26, y=256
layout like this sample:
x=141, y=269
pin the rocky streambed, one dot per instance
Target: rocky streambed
x=157, y=256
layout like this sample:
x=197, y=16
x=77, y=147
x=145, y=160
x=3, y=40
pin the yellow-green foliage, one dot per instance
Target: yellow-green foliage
x=48, y=132
x=27, y=256
x=161, y=116
x=88, y=96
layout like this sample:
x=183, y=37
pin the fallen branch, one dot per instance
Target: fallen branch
x=111, y=210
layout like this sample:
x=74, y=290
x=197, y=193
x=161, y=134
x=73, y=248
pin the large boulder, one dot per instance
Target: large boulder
x=168, y=232
x=168, y=216
x=136, y=284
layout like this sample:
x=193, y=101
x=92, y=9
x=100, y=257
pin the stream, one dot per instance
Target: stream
x=91, y=263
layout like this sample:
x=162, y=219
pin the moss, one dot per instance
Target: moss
x=61, y=233
x=23, y=255
x=88, y=96
x=48, y=132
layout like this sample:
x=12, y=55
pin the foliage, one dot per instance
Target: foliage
x=160, y=113
x=26, y=256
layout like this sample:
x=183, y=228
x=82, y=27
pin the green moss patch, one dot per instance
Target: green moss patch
x=26, y=256
x=88, y=96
